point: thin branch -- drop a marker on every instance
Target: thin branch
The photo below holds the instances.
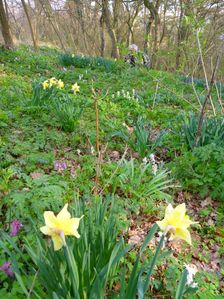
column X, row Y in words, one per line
column 200, row 123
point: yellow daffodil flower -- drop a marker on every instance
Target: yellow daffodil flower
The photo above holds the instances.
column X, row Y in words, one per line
column 53, row 81
column 57, row 227
column 60, row 84
column 176, row 223
column 75, row 88
column 45, row 84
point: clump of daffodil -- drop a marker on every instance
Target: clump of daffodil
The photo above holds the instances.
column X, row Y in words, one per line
column 57, row 227
column 53, row 81
column 60, row 84
column 176, row 223
column 75, row 88
column 45, row 84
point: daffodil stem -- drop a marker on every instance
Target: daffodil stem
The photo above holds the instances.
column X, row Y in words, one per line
column 181, row 285
column 153, row 262
column 97, row 139
column 73, row 270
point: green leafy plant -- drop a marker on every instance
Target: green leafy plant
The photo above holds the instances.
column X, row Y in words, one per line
column 137, row 183
column 87, row 267
column 68, row 113
column 43, row 97
column 141, row 139
column 82, row 61
column 202, row 170
column 212, row 131
column 5, row 175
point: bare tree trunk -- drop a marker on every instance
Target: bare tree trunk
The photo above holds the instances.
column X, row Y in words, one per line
column 47, row 9
column 111, row 32
column 37, row 19
column 147, row 34
column 154, row 17
column 183, row 29
column 5, row 27
column 132, row 18
column 102, row 36
column 80, row 10
column 30, row 24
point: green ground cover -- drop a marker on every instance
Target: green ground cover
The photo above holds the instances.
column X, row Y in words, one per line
column 49, row 157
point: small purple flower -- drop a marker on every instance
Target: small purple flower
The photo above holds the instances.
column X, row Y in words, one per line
column 16, row 226
column 6, row 268
column 60, row 165
column 72, row 171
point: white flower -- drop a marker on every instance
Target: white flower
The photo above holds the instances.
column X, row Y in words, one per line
column 118, row 94
column 159, row 238
column 191, row 271
column 92, row 150
column 78, row 151
column 221, row 37
column 152, row 158
column 194, row 285
column 145, row 160
column 154, row 165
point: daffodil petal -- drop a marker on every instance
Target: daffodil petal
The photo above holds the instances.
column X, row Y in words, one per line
column 46, row 231
column 180, row 210
column 50, row 219
column 57, row 241
column 169, row 210
column 64, row 214
column 183, row 234
column 162, row 224
column 70, row 227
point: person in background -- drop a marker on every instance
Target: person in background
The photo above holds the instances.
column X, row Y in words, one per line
column 136, row 57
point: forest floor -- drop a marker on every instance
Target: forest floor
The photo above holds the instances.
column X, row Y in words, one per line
column 48, row 155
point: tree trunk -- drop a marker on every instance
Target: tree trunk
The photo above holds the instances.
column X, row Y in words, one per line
column 111, row 32
column 154, row 17
column 5, row 27
column 183, row 30
column 102, row 36
column 30, row 24
column 49, row 14
column 147, row 34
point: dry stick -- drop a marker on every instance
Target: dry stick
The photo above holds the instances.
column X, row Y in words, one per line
column 155, row 95
column 193, row 85
column 160, row 82
column 195, row 91
column 219, row 96
column 198, row 134
column 192, row 77
column 32, row 285
column 204, row 70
